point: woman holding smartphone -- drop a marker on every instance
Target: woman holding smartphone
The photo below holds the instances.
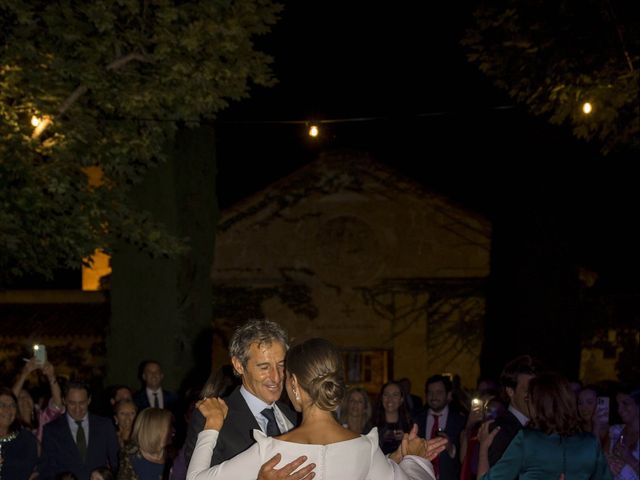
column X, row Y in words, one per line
column 485, row 407
column 30, row 414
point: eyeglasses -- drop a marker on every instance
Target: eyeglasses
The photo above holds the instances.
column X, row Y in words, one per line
column 11, row 405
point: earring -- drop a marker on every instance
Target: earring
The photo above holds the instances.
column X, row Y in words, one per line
column 295, row 391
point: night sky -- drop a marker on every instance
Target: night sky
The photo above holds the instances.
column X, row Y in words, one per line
column 435, row 119
column 556, row 204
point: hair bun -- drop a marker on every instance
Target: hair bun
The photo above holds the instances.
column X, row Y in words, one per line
column 317, row 365
column 328, row 390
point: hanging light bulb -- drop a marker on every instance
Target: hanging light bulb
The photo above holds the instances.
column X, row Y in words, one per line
column 587, row 108
column 313, row 131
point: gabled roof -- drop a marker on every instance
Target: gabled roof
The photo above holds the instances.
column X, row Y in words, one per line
column 342, row 173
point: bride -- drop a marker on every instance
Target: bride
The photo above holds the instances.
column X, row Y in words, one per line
column 315, row 386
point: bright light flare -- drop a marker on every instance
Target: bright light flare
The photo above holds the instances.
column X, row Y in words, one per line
column 587, row 108
column 313, row 131
column 40, row 125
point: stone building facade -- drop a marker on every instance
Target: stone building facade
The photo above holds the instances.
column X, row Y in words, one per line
column 349, row 250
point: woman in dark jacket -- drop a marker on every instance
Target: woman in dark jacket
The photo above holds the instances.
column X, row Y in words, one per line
column 18, row 446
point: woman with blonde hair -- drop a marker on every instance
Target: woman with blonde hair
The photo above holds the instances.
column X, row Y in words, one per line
column 145, row 456
column 355, row 411
column 315, row 386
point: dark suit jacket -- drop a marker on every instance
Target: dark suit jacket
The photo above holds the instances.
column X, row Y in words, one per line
column 449, row 467
column 170, row 399
column 60, row 453
column 236, row 433
column 413, row 404
column 509, row 428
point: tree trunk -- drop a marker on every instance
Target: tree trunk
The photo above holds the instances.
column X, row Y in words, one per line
column 161, row 309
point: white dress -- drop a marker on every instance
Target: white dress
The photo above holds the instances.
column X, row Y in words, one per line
column 359, row 458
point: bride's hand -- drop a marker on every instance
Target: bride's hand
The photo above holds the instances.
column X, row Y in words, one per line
column 420, row 447
column 403, row 448
column 214, row 411
column 413, row 446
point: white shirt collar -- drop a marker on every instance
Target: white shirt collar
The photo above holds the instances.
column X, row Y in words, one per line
column 256, row 406
column 74, row 426
column 150, row 396
column 522, row 418
column 254, row 403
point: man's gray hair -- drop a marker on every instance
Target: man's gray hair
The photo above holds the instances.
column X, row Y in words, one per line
column 255, row 331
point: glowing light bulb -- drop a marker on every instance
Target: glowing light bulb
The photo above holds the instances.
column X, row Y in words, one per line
column 313, row 131
column 586, row 108
column 35, row 121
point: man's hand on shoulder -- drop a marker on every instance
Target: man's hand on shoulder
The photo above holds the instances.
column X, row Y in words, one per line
column 269, row 472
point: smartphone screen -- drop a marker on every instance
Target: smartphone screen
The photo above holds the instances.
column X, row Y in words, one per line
column 602, row 408
column 40, row 354
column 476, row 405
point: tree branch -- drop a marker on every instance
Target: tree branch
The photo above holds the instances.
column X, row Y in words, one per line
column 82, row 89
column 121, row 62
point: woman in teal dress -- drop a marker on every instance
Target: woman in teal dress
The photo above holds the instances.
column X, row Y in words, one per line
column 552, row 446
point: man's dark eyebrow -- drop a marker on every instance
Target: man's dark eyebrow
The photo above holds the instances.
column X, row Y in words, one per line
column 264, row 364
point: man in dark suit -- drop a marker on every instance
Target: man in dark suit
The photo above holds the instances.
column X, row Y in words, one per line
column 257, row 350
column 153, row 395
column 439, row 419
column 78, row 441
column 515, row 381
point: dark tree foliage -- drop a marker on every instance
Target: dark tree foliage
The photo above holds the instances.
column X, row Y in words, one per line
column 555, row 56
column 112, row 80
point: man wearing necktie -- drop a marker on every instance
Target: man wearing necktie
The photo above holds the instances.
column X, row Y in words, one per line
column 78, row 441
column 257, row 351
column 439, row 419
column 153, row 395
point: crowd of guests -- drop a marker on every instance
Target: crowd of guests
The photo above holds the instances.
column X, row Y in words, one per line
column 529, row 424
